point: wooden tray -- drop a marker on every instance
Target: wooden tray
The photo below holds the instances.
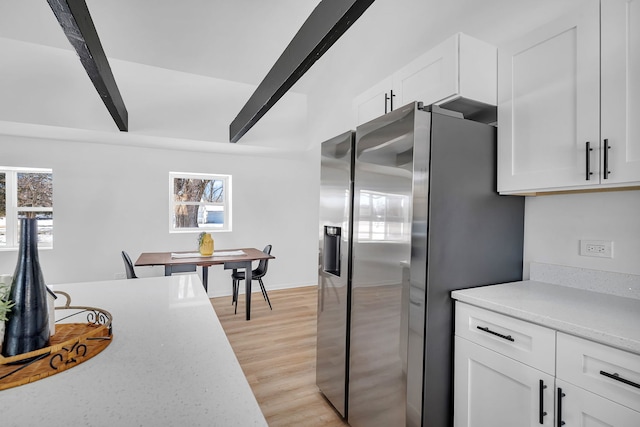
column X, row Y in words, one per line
column 72, row 344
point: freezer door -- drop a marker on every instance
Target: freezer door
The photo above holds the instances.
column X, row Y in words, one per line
column 333, row 268
column 381, row 265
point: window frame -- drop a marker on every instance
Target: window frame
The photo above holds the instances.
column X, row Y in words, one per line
column 12, row 209
column 226, row 203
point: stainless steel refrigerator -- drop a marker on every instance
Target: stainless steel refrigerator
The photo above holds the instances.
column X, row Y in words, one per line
column 336, row 201
column 416, row 216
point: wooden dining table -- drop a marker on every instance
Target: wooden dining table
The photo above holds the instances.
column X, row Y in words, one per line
column 230, row 259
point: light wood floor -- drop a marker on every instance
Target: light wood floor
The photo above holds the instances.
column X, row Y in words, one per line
column 277, row 352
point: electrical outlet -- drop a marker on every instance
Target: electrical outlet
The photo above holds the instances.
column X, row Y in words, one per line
column 596, row 248
column 119, row 275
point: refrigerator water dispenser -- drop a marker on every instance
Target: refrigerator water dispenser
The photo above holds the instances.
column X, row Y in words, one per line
column 331, row 255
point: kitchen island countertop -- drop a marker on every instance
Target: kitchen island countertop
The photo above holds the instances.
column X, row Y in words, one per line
column 170, row 363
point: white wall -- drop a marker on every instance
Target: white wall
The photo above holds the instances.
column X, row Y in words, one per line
column 109, row 198
column 555, row 224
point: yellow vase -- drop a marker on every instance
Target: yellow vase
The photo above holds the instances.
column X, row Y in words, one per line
column 206, row 245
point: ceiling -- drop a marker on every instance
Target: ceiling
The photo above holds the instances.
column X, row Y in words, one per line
column 232, row 40
column 235, row 40
column 240, row 40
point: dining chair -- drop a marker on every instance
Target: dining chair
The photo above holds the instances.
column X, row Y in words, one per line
column 128, row 266
column 256, row 274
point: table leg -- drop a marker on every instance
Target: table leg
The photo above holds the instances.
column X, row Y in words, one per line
column 247, row 288
column 205, row 277
column 167, row 270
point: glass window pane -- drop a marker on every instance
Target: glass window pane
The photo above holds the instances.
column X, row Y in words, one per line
column 198, row 190
column 200, row 201
column 3, row 197
column 213, row 216
column 3, row 209
column 188, row 190
column 213, row 191
column 198, row 216
column 35, row 190
column 45, row 226
column 186, row 216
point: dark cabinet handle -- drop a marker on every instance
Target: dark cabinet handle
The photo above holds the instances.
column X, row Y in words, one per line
column 560, row 423
column 606, row 159
column 588, row 161
column 542, row 413
column 617, row 377
column 388, row 101
column 486, row 329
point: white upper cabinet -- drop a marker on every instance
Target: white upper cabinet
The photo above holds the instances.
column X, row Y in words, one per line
column 374, row 102
column 553, row 126
column 459, row 67
column 548, row 104
column 621, row 90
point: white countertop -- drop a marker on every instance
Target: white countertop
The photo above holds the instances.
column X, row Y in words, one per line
column 608, row 319
column 169, row 364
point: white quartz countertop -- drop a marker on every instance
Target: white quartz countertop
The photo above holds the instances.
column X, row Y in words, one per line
column 605, row 318
column 170, row 364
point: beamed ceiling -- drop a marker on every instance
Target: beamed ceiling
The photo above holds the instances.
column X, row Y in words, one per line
column 241, row 40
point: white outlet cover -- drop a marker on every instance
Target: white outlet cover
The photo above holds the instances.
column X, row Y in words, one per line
column 607, row 252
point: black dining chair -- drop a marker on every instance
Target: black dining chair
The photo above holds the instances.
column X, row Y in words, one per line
column 128, row 266
column 256, row 274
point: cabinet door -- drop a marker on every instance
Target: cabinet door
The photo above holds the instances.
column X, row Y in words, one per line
column 580, row 408
column 548, row 105
column 621, row 89
column 431, row 77
column 373, row 103
column 493, row 390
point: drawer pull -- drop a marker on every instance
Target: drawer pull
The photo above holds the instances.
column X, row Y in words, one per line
column 617, row 377
column 486, row 329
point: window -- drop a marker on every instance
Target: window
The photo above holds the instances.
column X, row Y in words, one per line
column 199, row 202
column 25, row 192
column 383, row 216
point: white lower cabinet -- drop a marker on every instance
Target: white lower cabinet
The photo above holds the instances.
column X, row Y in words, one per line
column 596, row 385
column 580, row 408
column 509, row 372
column 493, row 390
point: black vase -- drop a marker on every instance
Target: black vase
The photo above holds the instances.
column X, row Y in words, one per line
column 28, row 326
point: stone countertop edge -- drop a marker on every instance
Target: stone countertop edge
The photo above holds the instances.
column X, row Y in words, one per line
column 607, row 319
